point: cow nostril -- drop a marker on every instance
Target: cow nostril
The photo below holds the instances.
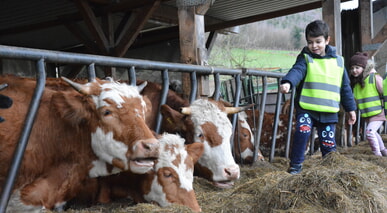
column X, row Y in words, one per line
column 227, row 171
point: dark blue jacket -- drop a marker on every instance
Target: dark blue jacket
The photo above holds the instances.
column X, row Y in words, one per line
column 296, row 77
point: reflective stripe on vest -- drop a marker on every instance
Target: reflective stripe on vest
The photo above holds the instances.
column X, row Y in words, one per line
column 322, row 85
column 367, row 98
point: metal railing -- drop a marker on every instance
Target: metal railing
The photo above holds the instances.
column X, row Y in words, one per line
column 133, row 65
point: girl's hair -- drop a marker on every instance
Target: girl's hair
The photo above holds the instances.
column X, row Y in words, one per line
column 317, row 28
column 359, row 79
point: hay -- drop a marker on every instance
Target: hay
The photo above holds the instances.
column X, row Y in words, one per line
column 350, row 180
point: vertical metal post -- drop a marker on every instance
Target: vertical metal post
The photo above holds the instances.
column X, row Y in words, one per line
column 217, row 86
column 194, row 87
column 290, row 124
column 258, row 131
column 237, row 96
column 91, row 72
column 163, row 99
column 23, row 140
column 275, row 125
column 132, row 76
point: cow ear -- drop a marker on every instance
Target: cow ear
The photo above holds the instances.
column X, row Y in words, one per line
column 195, row 150
column 74, row 109
column 172, row 119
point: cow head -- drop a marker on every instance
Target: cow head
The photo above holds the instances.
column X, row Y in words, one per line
column 244, row 141
column 206, row 121
column 173, row 179
column 119, row 135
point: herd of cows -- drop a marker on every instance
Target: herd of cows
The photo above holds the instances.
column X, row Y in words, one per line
column 93, row 142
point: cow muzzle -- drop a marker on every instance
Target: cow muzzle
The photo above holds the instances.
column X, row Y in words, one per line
column 145, row 153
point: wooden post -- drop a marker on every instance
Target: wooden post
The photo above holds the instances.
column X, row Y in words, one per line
column 366, row 25
column 331, row 15
column 192, row 44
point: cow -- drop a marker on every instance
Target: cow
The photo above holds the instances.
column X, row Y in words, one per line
column 244, row 139
column 267, row 131
column 170, row 181
column 85, row 131
column 206, row 120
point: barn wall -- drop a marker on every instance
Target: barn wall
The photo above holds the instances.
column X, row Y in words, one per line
column 166, row 52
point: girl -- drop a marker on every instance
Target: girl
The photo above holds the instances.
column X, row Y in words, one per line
column 368, row 89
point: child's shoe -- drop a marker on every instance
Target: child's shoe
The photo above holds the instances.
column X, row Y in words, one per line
column 384, row 152
column 295, row 169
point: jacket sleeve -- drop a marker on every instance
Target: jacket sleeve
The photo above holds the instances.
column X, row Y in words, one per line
column 297, row 73
column 347, row 98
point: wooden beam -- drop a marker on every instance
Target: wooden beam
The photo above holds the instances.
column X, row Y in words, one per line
column 332, row 16
column 365, row 15
column 93, row 25
column 187, row 35
column 82, row 37
column 381, row 36
column 141, row 18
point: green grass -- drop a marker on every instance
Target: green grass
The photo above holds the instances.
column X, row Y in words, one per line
column 254, row 59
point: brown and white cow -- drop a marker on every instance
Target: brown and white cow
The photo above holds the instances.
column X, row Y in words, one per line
column 206, row 120
column 267, row 131
column 95, row 130
column 244, row 139
column 171, row 180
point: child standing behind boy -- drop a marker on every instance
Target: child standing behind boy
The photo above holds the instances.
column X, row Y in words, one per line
column 368, row 88
column 321, row 84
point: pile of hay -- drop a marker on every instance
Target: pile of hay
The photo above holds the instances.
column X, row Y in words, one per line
column 350, row 180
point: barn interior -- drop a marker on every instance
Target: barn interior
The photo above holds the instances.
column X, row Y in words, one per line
column 173, row 31
column 181, row 31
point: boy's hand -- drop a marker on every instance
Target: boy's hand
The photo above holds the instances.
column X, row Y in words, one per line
column 285, row 87
column 352, row 117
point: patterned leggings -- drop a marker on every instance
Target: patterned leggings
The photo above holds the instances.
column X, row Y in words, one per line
column 304, row 125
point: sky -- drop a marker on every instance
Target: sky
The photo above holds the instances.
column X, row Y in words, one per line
column 350, row 5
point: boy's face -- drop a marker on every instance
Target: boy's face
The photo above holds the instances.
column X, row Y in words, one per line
column 317, row 45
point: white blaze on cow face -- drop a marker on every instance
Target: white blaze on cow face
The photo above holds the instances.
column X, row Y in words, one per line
column 173, row 157
column 103, row 143
column 243, row 118
column 217, row 156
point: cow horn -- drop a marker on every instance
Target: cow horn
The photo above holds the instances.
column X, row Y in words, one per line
column 185, row 110
column 142, row 86
column 79, row 87
column 233, row 110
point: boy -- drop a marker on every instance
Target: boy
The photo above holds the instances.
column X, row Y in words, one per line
column 321, row 83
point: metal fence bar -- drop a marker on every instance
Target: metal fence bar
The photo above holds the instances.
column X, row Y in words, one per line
column 23, row 140
column 217, row 86
column 290, row 123
column 163, row 99
column 258, row 130
column 132, row 76
column 237, row 96
column 275, row 124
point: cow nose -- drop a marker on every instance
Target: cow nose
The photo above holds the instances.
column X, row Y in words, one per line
column 150, row 145
column 232, row 172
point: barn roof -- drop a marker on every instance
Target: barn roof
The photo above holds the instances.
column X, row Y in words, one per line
column 61, row 24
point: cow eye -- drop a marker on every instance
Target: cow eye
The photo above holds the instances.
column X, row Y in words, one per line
column 167, row 174
column 107, row 112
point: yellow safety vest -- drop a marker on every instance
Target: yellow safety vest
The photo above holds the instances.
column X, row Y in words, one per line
column 322, row 85
column 368, row 100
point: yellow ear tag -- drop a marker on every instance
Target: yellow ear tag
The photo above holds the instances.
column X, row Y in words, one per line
column 169, row 120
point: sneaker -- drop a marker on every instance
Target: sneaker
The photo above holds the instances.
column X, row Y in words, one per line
column 384, row 152
column 295, row 169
